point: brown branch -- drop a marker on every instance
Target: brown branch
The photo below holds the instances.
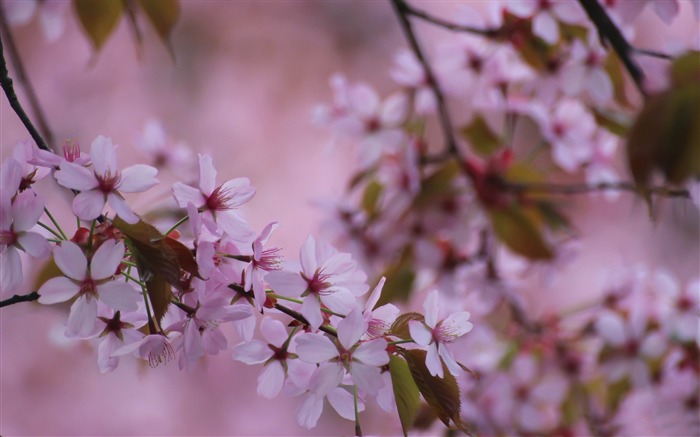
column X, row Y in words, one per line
column 23, row 79
column 20, row 298
column 608, row 31
column 299, row 317
column 567, row 189
column 488, row 33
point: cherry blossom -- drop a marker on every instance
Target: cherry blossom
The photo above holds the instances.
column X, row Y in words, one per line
column 90, row 282
column 327, row 277
column 217, row 203
column 115, row 331
column 16, row 222
column 263, row 261
column 546, row 15
column 105, row 182
column 436, row 335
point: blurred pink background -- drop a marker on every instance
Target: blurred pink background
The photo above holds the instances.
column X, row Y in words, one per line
column 246, row 78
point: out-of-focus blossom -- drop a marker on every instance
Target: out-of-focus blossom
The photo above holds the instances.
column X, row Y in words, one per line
column 546, row 15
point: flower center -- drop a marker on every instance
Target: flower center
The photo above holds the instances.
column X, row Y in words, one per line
column 71, row 151
column 318, row 283
column 270, row 260
column 165, row 354
column 108, row 182
column 88, row 287
column 8, row 238
column 219, row 200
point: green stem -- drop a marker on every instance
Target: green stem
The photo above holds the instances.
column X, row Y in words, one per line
column 410, row 340
column 128, row 276
column 45, row 226
column 55, row 223
column 177, row 225
column 299, row 301
column 92, row 231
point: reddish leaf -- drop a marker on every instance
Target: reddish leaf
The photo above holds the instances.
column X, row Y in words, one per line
column 442, row 395
column 400, row 326
column 163, row 15
column 520, row 232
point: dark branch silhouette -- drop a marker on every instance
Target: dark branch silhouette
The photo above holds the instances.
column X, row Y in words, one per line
column 17, row 298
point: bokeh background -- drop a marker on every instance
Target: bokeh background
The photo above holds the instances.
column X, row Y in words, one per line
column 242, row 87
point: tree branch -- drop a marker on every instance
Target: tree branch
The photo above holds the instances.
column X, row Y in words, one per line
column 488, row 33
column 9, row 90
column 20, row 298
column 608, row 31
column 583, row 188
column 299, row 317
column 23, row 79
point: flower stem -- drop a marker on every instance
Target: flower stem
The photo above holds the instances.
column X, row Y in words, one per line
column 410, row 340
column 55, row 223
column 176, row 225
column 92, row 231
column 45, row 226
column 299, row 301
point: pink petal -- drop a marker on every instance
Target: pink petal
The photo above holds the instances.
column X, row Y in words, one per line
column 315, row 348
column 309, row 410
column 119, row 295
column 376, row 294
column 119, row 205
column 448, row 359
column 307, row 256
column 667, row 10
column 271, row 380
column 419, row 333
column 273, row 331
column 311, row 310
column 207, row 174
column 343, row 402
column 240, row 190
column 341, row 301
column 75, row 177
column 104, row 156
column 364, row 100
column 27, row 208
column 611, row 327
column 367, row 378
column 327, row 377
column 546, row 27
column 192, row 346
column 82, row 317
column 431, row 309
column 34, row 244
column 106, row 259
column 11, row 268
column 70, row 259
column 432, row 361
column 10, row 178
column 286, row 283
column 105, row 361
column 185, row 194
column 351, row 328
column 88, row 205
column 138, row 178
column 372, row 352
column 234, row 226
column 252, row 352
column 457, row 324
column 56, row 290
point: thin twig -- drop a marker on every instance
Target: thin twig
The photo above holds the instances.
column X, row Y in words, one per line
column 566, row 189
column 9, row 90
column 488, row 33
column 17, row 298
column 299, row 317
column 23, row 79
column 608, row 31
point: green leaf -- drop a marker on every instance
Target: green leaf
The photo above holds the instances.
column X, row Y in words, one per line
column 665, row 136
column 99, row 18
column 163, row 15
column 370, row 197
column 400, row 326
column 616, row 72
column 520, row 232
column 405, row 392
column 442, row 395
column 399, row 279
column 482, row 139
column 437, row 185
column 617, row 392
column 611, row 122
column 160, row 294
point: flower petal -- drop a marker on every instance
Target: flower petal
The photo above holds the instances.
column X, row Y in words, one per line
column 185, row 194
column 286, row 283
column 367, row 378
column 207, row 174
column 119, row 295
column 240, row 191
column 57, row 290
column 34, row 244
column 75, row 177
column 271, row 380
column 327, row 377
column 431, row 309
column 27, row 208
column 273, row 331
column 88, row 205
column 372, row 352
column 119, row 205
column 11, row 269
column 138, row 178
column 71, row 260
column 351, row 328
column 252, row 352
column 432, row 361
column 315, row 348
column 419, row 333
column 309, row 410
column 106, row 259
column 104, row 155
column 82, row 317
column 311, row 310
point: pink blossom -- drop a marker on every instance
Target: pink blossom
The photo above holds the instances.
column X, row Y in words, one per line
column 16, row 220
column 379, row 320
column 116, row 330
column 342, row 401
column 264, row 260
column 436, row 335
column 105, row 182
column 274, row 353
column 327, row 277
column 546, row 15
column 89, row 283
column 156, row 348
column 585, row 71
column 163, row 152
column 362, row 360
column 409, row 72
column 217, row 203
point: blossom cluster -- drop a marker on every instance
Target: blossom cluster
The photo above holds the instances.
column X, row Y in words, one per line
column 163, row 296
column 533, row 94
